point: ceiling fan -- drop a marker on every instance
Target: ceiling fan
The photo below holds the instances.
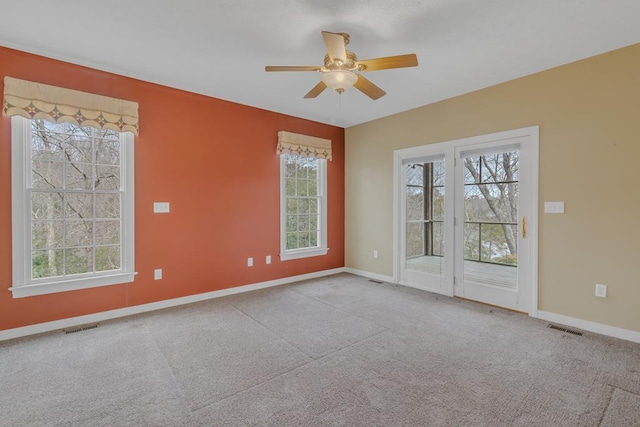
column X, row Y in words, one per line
column 342, row 68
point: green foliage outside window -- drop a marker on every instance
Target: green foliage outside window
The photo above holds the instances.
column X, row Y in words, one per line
column 302, row 202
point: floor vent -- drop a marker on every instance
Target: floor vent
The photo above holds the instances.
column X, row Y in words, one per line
column 80, row 328
column 376, row 281
column 567, row 330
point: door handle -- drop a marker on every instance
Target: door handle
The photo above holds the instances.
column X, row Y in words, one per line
column 524, row 227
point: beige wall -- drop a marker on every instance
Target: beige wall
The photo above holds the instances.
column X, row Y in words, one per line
column 589, row 118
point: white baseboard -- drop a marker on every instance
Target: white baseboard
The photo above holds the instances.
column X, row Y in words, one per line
column 587, row 325
column 369, row 275
column 137, row 309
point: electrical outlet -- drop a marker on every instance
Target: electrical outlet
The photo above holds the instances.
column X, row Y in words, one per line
column 268, row 259
column 249, row 262
column 157, row 274
column 601, row 290
column 375, row 254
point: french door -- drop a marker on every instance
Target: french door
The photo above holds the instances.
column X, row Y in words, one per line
column 425, row 262
column 466, row 218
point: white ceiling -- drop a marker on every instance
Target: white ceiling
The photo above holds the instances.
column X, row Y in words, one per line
column 220, row 47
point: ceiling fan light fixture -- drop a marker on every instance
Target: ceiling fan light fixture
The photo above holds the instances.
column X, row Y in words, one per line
column 342, row 68
column 339, row 80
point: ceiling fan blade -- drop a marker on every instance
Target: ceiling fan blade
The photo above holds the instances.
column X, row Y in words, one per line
column 291, row 68
column 335, row 45
column 317, row 90
column 368, row 88
column 387, row 62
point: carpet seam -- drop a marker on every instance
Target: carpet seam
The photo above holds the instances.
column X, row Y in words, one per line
column 606, row 408
column 384, row 328
column 269, row 329
column 340, row 309
column 312, row 361
column 176, row 381
column 615, row 387
column 192, row 410
column 351, row 344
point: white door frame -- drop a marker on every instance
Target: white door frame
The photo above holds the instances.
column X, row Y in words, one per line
column 449, row 148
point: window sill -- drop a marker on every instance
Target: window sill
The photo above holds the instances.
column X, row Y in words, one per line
column 303, row 253
column 71, row 285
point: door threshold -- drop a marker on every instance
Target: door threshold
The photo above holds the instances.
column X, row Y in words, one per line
column 491, row 305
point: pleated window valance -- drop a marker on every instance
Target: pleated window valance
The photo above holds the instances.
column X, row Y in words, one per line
column 55, row 104
column 303, row 145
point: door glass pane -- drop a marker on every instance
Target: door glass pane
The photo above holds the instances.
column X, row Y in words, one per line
column 415, row 203
column 491, row 219
column 415, row 240
column 425, row 217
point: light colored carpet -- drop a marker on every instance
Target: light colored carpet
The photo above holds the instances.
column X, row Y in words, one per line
column 338, row 351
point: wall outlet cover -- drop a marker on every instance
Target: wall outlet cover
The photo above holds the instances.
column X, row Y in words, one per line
column 601, row 290
column 157, row 274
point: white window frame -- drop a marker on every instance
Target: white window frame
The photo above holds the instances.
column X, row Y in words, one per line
column 23, row 284
column 322, row 248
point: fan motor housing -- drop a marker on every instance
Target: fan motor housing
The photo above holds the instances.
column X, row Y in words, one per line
column 350, row 65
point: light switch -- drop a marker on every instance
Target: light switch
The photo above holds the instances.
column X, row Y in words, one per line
column 161, row 207
column 157, row 274
column 554, row 207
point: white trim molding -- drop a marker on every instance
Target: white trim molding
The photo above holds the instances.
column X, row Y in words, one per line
column 23, row 282
column 321, row 194
column 587, row 325
column 159, row 305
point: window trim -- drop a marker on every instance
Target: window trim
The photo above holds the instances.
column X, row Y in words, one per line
column 22, row 284
column 322, row 248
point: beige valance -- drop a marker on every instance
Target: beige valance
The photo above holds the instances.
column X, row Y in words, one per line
column 304, row 145
column 56, row 104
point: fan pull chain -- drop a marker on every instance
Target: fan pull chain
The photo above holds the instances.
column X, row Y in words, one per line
column 336, row 111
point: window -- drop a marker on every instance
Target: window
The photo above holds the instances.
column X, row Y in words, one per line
column 303, row 206
column 72, row 207
column 425, row 209
column 491, row 208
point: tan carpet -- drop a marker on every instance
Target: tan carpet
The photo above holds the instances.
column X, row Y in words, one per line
column 339, row 351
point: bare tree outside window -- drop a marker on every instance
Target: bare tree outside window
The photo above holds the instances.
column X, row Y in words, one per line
column 75, row 199
column 491, row 208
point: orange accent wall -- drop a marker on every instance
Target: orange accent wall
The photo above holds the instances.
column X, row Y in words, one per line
column 214, row 161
